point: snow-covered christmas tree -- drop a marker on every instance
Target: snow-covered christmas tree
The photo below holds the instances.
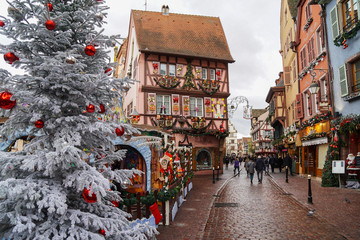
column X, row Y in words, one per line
column 61, row 185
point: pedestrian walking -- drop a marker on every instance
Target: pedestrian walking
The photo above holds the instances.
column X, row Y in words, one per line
column 246, row 166
column 251, row 169
column 266, row 161
column 280, row 163
column 259, row 165
column 288, row 163
column 226, row 160
column 272, row 163
column 237, row 166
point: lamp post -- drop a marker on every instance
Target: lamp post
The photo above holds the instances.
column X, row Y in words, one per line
column 309, row 192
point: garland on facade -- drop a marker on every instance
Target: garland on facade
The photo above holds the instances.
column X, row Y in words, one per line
column 279, row 141
column 214, row 90
column 316, row 119
column 313, row 136
column 215, row 133
column 345, row 125
column 312, row 65
column 347, row 35
column 164, row 123
column 189, row 76
column 307, row 25
column 167, row 82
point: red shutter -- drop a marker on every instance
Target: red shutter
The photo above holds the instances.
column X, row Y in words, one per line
column 175, row 104
column 208, row 107
column 299, row 106
column 322, row 34
column 186, row 106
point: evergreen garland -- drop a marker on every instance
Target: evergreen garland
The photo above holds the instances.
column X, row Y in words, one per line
column 316, row 119
column 189, row 76
column 170, row 85
column 347, row 35
column 207, row 91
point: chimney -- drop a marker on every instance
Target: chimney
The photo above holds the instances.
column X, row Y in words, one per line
column 165, row 10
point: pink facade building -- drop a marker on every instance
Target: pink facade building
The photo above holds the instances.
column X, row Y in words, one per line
column 180, row 63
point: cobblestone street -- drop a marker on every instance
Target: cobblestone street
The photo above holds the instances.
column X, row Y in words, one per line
column 234, row 209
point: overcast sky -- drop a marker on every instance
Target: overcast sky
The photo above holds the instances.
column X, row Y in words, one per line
column 252, row 29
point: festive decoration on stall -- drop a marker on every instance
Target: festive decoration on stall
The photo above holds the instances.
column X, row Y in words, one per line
column 135, row 116
column 50, row 24
column 189, row 78
column 10, row 57
column 89, row 198
column 222, row 126
column 39, row 123
column 167, row 82
column 90, row 108
column 2, row 24
column 344, row 44
column 90, row 50
column 350, row 163
column 316, row 119
column 5, row 102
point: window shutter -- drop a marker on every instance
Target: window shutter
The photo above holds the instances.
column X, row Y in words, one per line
column 309, row 99
column 334, row 22
column 299, row 106
column 156, row 67
column 358, row 8
column 175, row 104
column 343, row 81
column 152, row 103
column 198, row 74
column 208, row 107
column 186, row 106
column 287, row 75
column 322, row 35
column 179, row 70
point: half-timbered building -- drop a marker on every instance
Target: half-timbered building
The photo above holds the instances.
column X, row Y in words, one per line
column 180, row 63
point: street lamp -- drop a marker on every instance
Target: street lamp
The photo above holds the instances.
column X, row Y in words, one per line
column 314, row 86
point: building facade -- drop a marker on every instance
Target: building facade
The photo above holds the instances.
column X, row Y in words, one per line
column 182, row 82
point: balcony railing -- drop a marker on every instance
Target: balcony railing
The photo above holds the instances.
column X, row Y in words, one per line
column 350, row 24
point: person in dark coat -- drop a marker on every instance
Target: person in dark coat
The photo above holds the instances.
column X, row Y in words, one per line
column 288, row 163
column 272, row 163
column 259, row 166
column 280, row 163
column 251, row 169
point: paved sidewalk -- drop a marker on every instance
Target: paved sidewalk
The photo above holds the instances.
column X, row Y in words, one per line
column 193, row 214
column 330, row 203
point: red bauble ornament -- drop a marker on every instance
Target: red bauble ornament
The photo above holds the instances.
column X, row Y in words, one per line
column 116, row 203
column 102, row 232
column 5, row 102
column 50, row 6
column 2, row 24
column 10, row 57
column 108, row 70
column 90, row 108
column 87, row 197
column 119, row 131
column 102, row 108
column 90, row 50
column 50, row 24
column 39, row 123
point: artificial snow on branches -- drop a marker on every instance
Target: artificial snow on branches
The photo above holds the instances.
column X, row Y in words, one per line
column 69, row 152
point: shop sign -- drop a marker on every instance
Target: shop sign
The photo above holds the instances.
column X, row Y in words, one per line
column 316, row 141
column 338, row 167
column 284, row 150
column 324, row 107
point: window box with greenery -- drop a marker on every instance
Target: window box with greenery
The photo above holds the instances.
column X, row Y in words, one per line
column 348, row 12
